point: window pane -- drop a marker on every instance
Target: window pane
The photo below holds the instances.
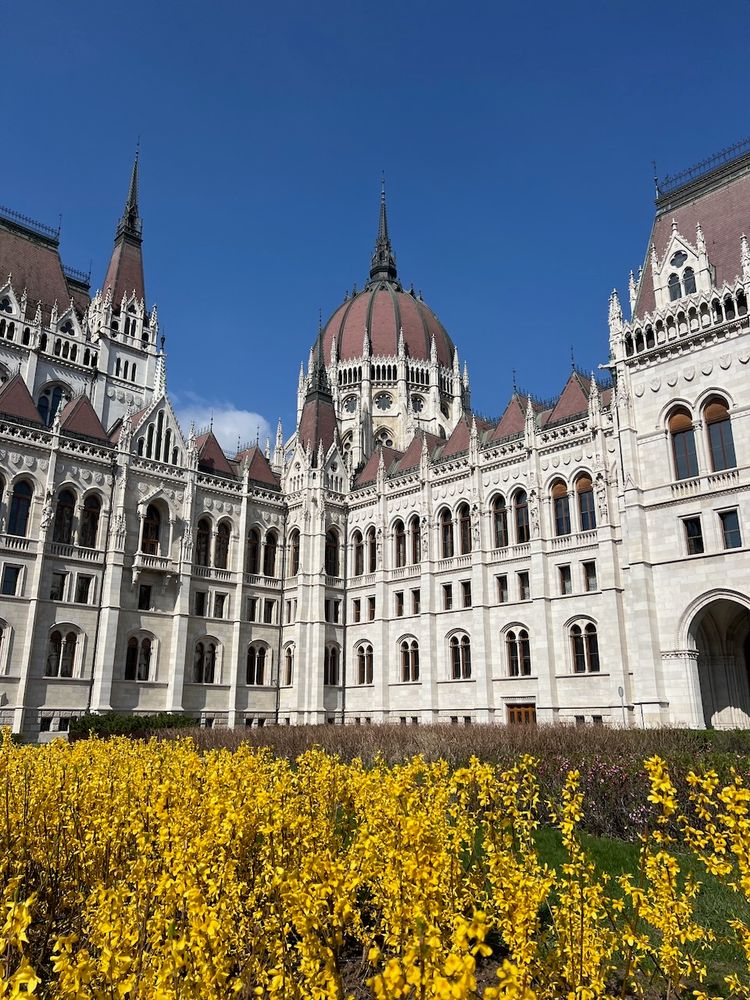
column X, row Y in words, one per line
column 586, row 507
column 730, row 526
column 693, row 535
column 685, row 458
column 722, row 445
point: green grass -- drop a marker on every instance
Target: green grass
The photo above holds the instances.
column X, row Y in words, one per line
column 715, row 905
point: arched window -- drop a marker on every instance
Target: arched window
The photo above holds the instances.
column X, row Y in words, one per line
column 399, row 543
column 446, row 533
column 409, row 660
column 88, row 529
column 20, row 505
column 683, row 444
column 61, row 654
column 63, row 527
column 332, row 553
column 358, row 547
column 675, row 289
column 364, row 663
column 49, row 403
column 151, row 530
column 518, row 653
column 460, row 657
column 372, row 551
column 464, row 528
column 138, row 658
column 204, row 662
column 561, row 508
column 720, row 438
column 253, row 551
column 521, row 516
column 269, row 556
column 415, row 540
column 688, row 280
column 500, row 522
column 221, row 548
column 331, row 666
column 289, row 665
column 203, row 542
column 256, row 665
column 586, row 508
column 294, row 553
column 585, row 647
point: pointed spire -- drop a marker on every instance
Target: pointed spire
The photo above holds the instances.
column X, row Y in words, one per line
column 383, row 265
column 615, row 313
column 126, row 262
column 632, row 292
column 130, row 223
column 745, row 258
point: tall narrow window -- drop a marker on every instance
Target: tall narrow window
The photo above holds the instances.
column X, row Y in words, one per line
column 688, row 280
column 63, row 527
column 409, row 660
column 269, row 556
column 294, row 553
column 460, row 657
column 221, row 550
column 358, row 553
column 151, row 528
column 204, row 662
column 203, row 542
column 399, row 543
column 253, row 551
column 331, row 666
column 20, row 505
column 521, row 516
column 683, row 444
column 586, row 508
column 720, row 438
column 415, row 540
column 464, row 528
column 89, row 526
column 372, row 551
column 511, row 647
column 561, row 508
column 675, row 289
column 54, row 652
column 289, row 665
column 730, row 529
column 256, row 665
column 500, row 522
column 585, row 648
column 364, row 664
column 332, row 553
column 446, row 533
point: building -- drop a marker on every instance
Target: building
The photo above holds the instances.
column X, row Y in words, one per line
column 397, row 558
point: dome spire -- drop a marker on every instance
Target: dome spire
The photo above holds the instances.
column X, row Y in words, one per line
column 383, row 265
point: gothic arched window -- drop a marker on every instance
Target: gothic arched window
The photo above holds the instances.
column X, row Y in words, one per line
column 446, row 533
column 521, row 516
column 518, row 652
column 720, row 438
column 331, row 666
column 63, row 527
column 204, row 662
column 675, row 288
column 289, row 665
column 269, row 556
column 221, row 549
column 688, row 280
column 464, row 528
column 500, row 522
column 253, row 551
column 358, row 546
column 586, row 508
column 460, row 657
column 332, row 553
column 372, row 550
column 203, row 542
column 683, row 444
column 138, row 658
column 151, row 530
column 256, row 665
column 364, row 663
column 294, row 553
column 88, row 528
column 416, row 539
column 20, row 506
column 561, row 508
column 585, row 648
column 409, row 660
column 399, row 543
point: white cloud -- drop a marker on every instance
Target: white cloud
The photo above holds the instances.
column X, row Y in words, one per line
column 230, row 424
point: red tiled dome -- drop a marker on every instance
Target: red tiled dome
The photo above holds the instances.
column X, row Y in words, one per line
column 383, row 309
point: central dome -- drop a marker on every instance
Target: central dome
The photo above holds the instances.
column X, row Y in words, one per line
column 382, row 312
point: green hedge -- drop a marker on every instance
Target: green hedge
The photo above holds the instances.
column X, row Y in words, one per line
column 120, row 724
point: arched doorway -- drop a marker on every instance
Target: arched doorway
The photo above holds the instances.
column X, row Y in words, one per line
column 720, row 632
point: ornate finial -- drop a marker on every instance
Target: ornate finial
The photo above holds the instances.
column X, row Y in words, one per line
column 654, row 260
column 211, row 424
column 515, row 384
column 745, row 257
column 656, row 179
column 674, row 225
column 632, row 292
column 130, row 223
column 700, row 241
column 615, row 312
column 383, row 265
column 572, row 359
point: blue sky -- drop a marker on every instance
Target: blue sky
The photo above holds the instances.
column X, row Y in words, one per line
column 516, row 140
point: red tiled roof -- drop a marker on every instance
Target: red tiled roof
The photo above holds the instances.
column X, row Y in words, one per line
column 573, row 399
column 16, row 401
column 413, row 454
column 384, row 310
column 115, row 430
column 34, row 264
column 80, row 417
column 260, row 467
column 317, row 424
column 125, row 272
column 370, row 471
column 210, row 456
column 723, row 211
column 513, row 420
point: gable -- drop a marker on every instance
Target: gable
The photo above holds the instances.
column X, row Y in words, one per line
column 79, row 417
column 211, row 458
column 157, row 434
column 573, row 400
column 16, row 401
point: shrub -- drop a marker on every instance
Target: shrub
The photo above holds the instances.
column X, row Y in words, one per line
column 121, row 724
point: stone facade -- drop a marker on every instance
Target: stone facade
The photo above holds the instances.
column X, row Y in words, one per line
column 397, row 559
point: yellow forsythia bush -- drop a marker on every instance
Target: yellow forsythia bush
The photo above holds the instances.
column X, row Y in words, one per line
column 134, row 870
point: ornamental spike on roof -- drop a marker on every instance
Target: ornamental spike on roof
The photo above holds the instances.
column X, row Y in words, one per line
column 383, row 265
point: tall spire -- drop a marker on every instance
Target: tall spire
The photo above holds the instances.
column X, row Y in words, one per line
column 125, row 271
column 130, row 223
column 383, row 265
